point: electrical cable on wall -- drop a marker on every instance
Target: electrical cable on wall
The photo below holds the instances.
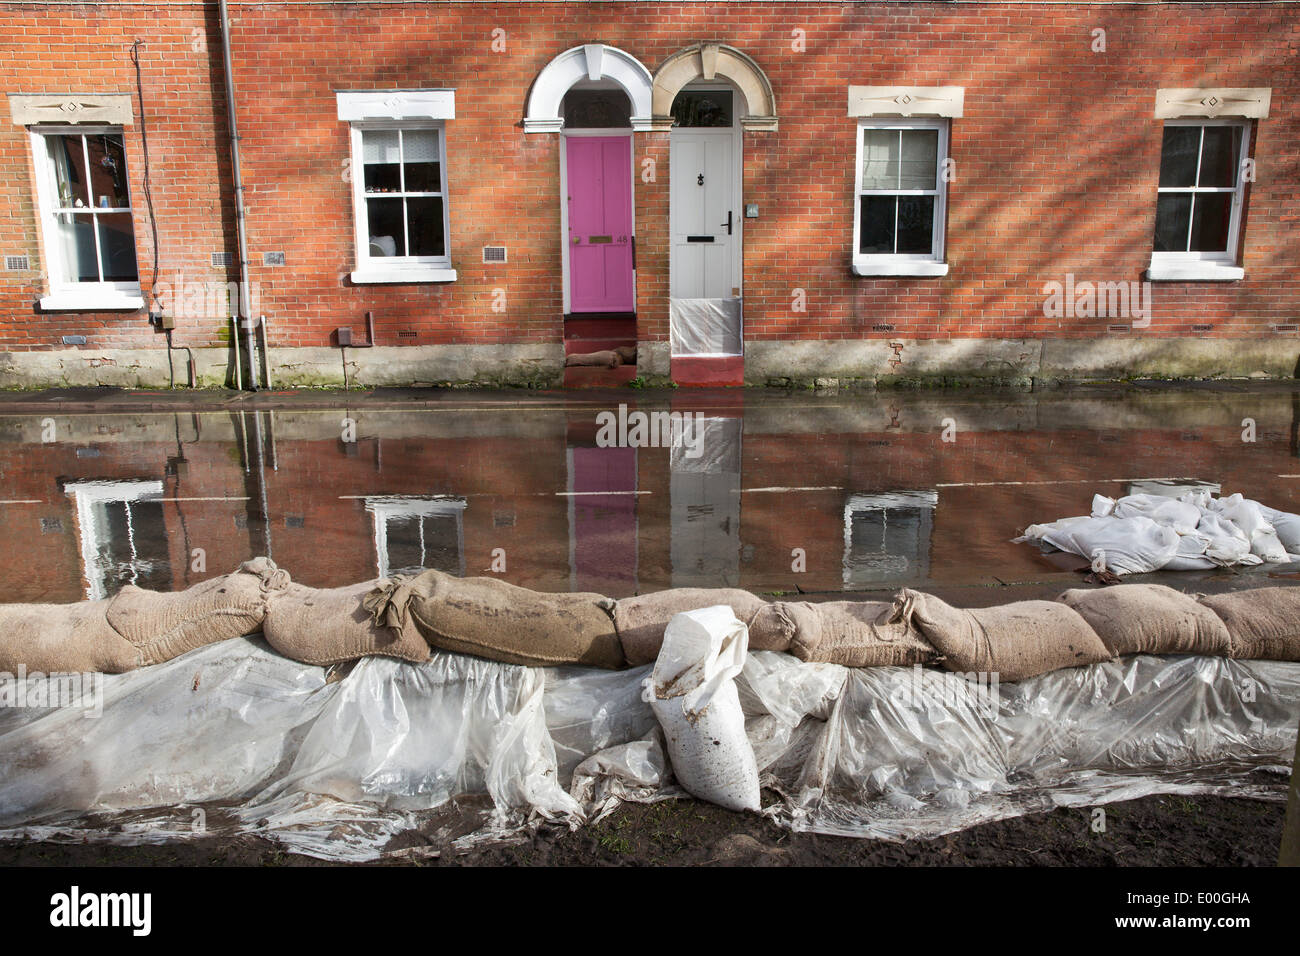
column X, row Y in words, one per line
column 144, row 145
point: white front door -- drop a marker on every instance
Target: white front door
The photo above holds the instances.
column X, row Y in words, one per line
column 704, row 214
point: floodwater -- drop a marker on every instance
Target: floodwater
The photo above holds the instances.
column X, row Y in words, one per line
column 765, row 491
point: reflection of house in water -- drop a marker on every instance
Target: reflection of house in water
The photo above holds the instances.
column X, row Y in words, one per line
column 413, row 534
column 123, row 535
column 887, row 537
column 705, row 491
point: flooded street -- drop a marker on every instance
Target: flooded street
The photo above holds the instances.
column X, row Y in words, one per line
column 772, row 491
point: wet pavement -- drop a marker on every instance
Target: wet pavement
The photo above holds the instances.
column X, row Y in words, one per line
column 771, row 491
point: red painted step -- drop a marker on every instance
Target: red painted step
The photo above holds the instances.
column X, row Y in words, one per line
column 581, row 346
column 709, row 372
column 576, row 376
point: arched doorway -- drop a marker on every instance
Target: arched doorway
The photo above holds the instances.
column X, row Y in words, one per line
column 709, row 95
column 594, row 96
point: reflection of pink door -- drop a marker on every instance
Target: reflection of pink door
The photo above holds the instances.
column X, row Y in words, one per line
column 603, row 520
column 599, row 176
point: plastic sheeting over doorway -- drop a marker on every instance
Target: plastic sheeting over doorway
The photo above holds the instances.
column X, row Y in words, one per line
column 704, row 327
column 465, row 750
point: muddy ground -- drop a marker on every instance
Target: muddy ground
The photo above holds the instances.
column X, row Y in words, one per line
column 1153, row 831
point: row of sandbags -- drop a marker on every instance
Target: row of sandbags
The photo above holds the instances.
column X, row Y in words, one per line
column 404, row 617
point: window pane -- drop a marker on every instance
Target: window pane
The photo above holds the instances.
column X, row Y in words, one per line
column 381, row 156
column 1178, row 156
column 70, row 177
column 1172, row 213
column 702, row 108
column 420, row 154
column 1211, row 215
column 1219, row 156
column 916, row 224
column 876, row 230
column 387, row 237
column 76, row 239
column 920, row 162
column 880, row 159
column 425, row 218
column 108, row 172
column 597, row 109
column 117, row 246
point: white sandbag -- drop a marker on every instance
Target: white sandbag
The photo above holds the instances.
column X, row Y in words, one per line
column 692, row 692
column 1250, row 518
column 1170, row 512
column 1125, row 545
column 1287, row 526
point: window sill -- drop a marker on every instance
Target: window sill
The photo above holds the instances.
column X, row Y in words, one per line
column 375, row 276
column 97, row 301
column 914, row 268
column 1194, row 272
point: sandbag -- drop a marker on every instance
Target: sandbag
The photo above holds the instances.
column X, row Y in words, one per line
column 63, row 638
column 490, row 618
column 626, row 354
column 332, row 625
column 1263, row 623
column 606, row 358
column 856, row 634
column 1149, row 619
column 1133, row 545
column 692, row 692
column 642, row 620
column 164, row 625
column 1015, row 641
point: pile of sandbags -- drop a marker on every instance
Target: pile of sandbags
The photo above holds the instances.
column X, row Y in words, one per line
column 1141, row 533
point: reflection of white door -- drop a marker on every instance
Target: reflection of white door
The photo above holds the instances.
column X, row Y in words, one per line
column 705, row 214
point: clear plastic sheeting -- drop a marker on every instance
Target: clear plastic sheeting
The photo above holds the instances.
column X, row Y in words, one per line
column 704, row 326
column 417, row 758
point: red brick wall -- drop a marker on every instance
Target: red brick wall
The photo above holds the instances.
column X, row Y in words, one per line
column 1057, row 158
column 86, row 48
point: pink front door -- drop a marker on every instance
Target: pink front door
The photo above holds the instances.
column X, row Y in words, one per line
column 599, row 177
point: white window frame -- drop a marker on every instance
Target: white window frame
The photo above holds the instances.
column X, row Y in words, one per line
column 66, row 294
column 1205, row 266
column 903, row 264
column 378, row 269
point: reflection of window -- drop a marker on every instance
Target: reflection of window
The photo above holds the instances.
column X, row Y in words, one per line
column 400, row 194
column 898, row 224
column 1172, row 488
column 123, row 535
column 887, row 537
column 417, row 534
column 86, row 218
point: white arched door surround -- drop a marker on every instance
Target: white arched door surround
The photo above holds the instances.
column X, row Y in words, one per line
column 593, row 62
column 711, row 62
